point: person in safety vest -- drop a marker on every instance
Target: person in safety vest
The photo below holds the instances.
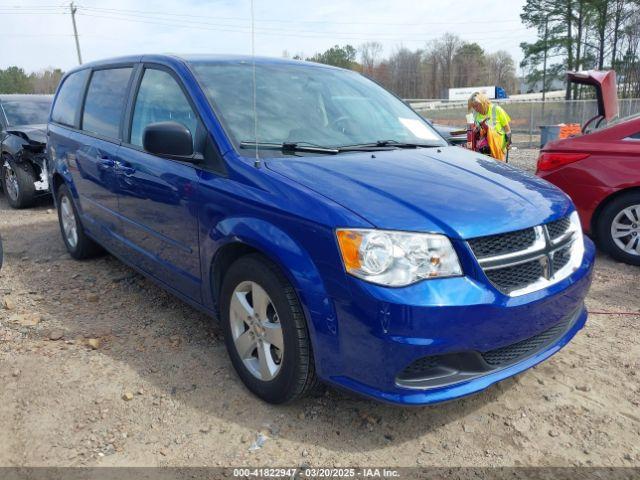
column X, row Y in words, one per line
column 492, row 130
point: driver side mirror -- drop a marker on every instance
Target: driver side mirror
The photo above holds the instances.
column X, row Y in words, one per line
column 170, row 139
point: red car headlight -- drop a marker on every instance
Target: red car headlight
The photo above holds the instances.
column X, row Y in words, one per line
column 552, row 160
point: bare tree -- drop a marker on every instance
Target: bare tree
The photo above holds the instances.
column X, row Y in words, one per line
column 500, row 70
column 369, row 57
column 469, row 65
column 444, row 63
column 432, row 73
column 446, row 49
column 406, row 72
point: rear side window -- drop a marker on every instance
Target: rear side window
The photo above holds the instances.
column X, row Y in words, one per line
column 105, row 100
column 160, row 99
column 69, row 98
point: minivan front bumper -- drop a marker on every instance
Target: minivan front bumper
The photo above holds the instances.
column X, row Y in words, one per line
column 443, row 339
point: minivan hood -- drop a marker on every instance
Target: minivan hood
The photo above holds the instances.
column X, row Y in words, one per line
column 447, row 190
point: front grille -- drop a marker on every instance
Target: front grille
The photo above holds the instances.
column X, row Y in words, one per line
column 515, row 261
column 561, row 257
column 504, row 356
column 437, row 371
column 557, row 228
column 494, row 245
column 421, row 365
column 516, row 277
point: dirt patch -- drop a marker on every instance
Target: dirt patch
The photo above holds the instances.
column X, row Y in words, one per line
column 100, row 367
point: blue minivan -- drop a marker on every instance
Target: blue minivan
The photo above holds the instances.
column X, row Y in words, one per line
column 331, row 230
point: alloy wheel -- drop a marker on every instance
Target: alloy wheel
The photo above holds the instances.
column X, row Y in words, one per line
column 12, row 187
column 256, row 330
column 625, row 230
column 69, row 224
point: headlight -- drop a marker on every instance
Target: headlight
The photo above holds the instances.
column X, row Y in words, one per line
column 397, row 258
column 577, row 250
column 576, row 226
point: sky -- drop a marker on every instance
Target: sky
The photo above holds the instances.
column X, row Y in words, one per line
column 38, row 33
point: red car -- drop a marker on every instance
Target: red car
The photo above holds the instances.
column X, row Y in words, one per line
column 600, row 171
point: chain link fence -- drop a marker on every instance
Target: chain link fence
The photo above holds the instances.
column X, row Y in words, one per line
column 528, row 117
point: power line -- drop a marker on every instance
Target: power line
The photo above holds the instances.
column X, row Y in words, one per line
column 243, row 26
column 30, row 7
column 244, row 19
column 278, row 32
column 33, row 13
column 154, row 20
column 37, row 34
column 188, row 21
column 36, row 5
column 296, row 21
column 17, row 9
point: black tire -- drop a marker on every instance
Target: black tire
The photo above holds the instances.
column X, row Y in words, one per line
column 25, row 177
column 85, row 247
column 296, row 377
column 604, row 222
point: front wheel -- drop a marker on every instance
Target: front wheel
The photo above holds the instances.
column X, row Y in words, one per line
column 78, row 244
column 265, row 331
column 618, row 228
column 18, row 183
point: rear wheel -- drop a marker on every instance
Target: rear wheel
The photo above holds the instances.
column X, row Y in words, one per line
column 18, row 183
column 265, row 331
column 618, row 228
column 78, row 244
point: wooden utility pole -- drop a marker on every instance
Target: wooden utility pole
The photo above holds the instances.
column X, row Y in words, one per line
column 75, row 30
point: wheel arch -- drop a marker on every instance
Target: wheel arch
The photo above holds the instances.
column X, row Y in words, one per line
column 225, row 256
column 56, row 180
column 235, row 237
column 61, row 176
column 12, row 145
column 606, row 201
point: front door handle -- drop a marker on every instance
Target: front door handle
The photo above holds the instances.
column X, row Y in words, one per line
column 105, row 163
column 125, row 169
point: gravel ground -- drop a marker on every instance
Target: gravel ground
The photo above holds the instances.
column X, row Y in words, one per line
column 524, row 158
column 100, row 367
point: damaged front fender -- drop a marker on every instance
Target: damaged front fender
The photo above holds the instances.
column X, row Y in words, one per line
column 25, row 146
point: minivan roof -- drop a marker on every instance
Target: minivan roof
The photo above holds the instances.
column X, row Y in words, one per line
column 198, row 58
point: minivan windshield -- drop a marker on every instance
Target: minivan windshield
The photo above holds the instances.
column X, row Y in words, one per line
column 310, row 105
column 27, row 112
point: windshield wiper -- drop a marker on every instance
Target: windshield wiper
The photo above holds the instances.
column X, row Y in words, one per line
column 386, row 144
column 291, row 147
column 306, row 147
